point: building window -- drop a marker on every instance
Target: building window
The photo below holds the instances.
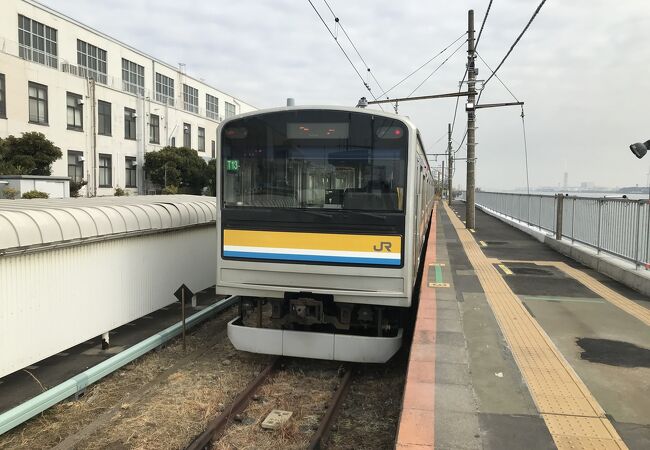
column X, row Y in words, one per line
column 211, row 107
column 230, row 110
column 187, row 135
column 104, row 122
column 154, row 129
column 105, row 171
column 75, row 165
column 173, row 143
column 164, row 89
column 37, row 42
column 190, row 99
column 132, row 77
column 214, row 149
column 37, row 103
column 201, row 139
column 75, row 112
column 130, row 175
column 91, row 61
column 129, row 123
column 3, row 97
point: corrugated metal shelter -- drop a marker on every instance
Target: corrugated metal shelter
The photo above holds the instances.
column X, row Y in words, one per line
column 73, row 269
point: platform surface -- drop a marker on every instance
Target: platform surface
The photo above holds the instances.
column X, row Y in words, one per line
column 517, row 346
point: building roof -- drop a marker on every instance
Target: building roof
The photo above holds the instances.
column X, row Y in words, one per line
column 40, row 224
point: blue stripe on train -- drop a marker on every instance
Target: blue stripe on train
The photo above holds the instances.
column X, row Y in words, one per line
column 313, row 258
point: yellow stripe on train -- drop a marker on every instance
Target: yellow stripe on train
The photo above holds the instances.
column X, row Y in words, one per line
column 313, row 241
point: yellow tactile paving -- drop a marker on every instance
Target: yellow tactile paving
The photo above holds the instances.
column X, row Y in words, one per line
column 573, row 416
column 627, row 305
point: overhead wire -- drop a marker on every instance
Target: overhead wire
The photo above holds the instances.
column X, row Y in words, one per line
column 436, row 69
column 539, row 7
column 338, row 21
column 344, row 52
column 423, row 65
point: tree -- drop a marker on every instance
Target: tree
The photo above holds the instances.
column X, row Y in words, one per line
column 30, row 154
column 181, row 167
column 212, row 177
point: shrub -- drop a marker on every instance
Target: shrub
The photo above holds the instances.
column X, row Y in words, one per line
column 9, row 193
column 30, row 154
column 75, row 187
column 170, row 190
column 119, row 192
column 36, row 194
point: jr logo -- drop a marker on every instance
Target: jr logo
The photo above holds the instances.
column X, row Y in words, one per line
column 382, row 246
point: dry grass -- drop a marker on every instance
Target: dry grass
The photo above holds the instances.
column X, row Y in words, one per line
column 69, row 418
column 370, row 412
column 303, row 387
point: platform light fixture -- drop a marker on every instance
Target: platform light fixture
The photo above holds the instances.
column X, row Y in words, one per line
column 640, row 149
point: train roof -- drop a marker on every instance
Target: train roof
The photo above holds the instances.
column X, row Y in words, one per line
column 32, row 224
column 375, row 112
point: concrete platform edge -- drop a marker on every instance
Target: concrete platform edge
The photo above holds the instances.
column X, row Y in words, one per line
column 605, row 264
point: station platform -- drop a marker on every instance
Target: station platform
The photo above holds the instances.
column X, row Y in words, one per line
column 515, row 346
column 27, row 383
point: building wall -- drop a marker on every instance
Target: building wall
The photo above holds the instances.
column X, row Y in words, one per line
column 55, row 299
column 59, row 81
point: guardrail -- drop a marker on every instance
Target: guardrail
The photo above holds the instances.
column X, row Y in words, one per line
column 617, row 226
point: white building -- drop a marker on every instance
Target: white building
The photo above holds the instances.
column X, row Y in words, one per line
column 104, row 103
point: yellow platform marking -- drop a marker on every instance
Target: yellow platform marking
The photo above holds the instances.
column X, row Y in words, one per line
column 505, row 269
column 472, row 230
column 616, row 299
column 483, row 244
column 573, row 416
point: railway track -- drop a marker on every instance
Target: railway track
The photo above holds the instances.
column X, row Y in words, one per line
column 216, row 427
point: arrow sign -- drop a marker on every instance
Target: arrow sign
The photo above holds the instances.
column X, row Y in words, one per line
column 179, row 293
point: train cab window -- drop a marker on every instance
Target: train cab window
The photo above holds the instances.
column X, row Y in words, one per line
column 320, row 159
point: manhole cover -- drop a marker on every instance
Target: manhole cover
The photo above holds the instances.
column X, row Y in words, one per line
column 531, row 271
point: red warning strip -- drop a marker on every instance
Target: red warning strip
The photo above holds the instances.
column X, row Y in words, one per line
column 416, row 425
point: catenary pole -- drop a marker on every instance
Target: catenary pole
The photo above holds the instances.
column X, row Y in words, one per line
column 471, row 124
column 450, row 161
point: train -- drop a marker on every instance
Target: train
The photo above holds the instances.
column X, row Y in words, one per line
column 322, row 215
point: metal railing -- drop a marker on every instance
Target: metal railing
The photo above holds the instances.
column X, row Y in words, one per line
column 617, row 226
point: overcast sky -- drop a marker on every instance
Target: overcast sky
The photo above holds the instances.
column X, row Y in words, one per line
column 581, row 69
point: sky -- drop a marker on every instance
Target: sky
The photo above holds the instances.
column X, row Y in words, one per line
column 581, row 69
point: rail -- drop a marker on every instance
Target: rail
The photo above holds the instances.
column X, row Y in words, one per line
column 616, row 226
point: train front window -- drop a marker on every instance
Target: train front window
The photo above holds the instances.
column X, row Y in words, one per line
column 315, row 159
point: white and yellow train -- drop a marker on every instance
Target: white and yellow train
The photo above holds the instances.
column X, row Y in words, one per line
column 322, row 214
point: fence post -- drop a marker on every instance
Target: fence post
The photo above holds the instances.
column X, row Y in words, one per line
column 573, row 219
column 637, row 231
column 558, row 216
column 539, row 217
column 600, row 210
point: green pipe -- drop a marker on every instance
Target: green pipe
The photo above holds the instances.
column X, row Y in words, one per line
column 78, row 383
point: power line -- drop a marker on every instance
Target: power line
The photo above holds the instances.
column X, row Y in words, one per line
column 343, row 50
column 423, row 65
column 437, row 68
column 515, row 43
column 480, row 31
column 338, row 21
column 497, row 77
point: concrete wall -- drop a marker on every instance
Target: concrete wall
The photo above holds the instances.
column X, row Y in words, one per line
column 52, row 300
column 55, row 187
column 19, row 72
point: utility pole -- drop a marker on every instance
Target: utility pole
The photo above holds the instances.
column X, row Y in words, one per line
column 471, row 124
column 442, row 177
column 449, row 164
